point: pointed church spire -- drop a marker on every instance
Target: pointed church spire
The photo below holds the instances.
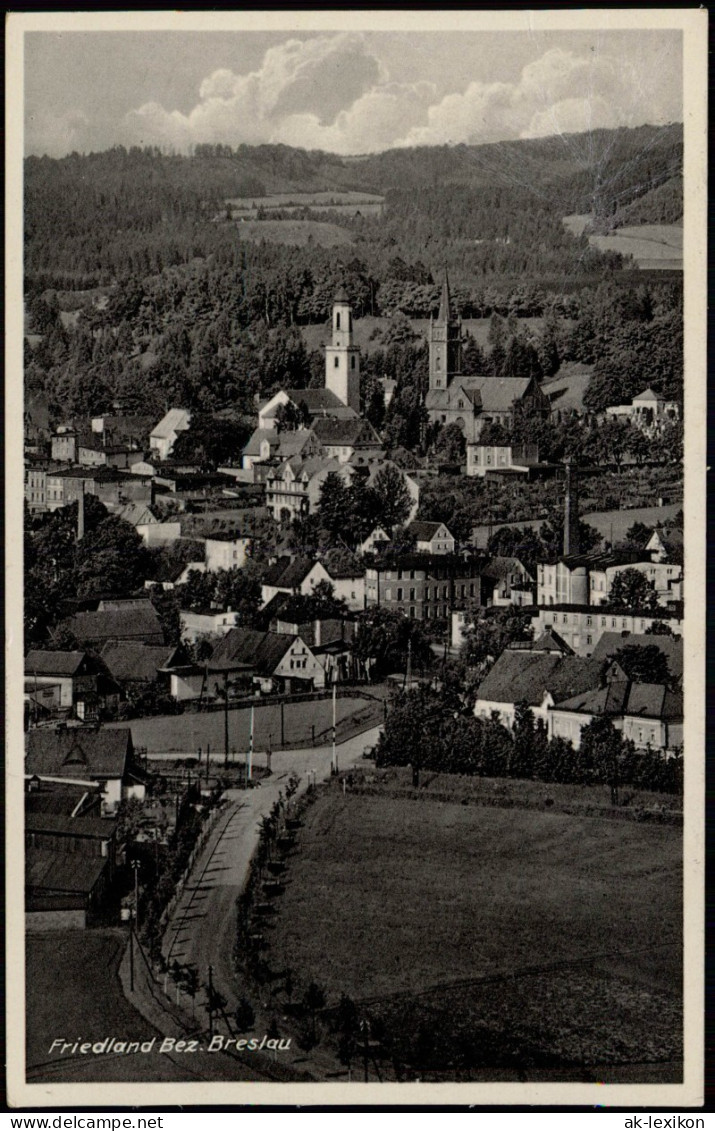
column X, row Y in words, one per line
column 445, row 303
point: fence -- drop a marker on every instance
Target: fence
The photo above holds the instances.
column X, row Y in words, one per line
column 206, row 831
column 342, row 691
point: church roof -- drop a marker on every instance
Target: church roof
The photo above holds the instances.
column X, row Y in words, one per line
column 445, row 302
column 341, row 295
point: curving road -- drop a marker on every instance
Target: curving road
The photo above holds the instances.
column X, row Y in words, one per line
column 202, row 931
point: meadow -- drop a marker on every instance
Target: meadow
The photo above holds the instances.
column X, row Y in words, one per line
column 492, row 941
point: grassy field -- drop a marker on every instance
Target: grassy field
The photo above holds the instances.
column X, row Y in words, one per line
column 322, row 200
column 186, row 733
column 553, row 935
column 297, row 233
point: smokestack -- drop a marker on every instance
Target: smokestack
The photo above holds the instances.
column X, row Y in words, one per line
column 80, row 513
column 571, row 535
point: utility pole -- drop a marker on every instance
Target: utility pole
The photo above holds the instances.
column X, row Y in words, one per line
column 283, row 736
column 131, row 951
column 225, row 718
column 135, row 866
column 335, row 756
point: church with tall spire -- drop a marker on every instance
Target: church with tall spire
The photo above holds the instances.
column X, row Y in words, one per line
column 470, row 401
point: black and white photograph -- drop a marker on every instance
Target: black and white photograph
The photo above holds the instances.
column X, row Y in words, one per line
column 355, row 472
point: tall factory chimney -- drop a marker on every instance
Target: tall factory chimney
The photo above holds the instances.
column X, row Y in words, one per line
column 571, row 534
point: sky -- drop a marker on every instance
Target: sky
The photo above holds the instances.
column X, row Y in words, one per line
column 344, row 91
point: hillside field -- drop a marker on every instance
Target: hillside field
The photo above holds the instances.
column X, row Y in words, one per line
column 297, row 233
column 552, row 933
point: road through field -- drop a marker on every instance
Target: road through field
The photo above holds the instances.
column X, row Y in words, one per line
column 202, row 931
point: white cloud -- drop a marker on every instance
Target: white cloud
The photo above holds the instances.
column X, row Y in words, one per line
column 57, row 134
column 331, row 92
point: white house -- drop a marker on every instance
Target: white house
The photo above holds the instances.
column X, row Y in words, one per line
column 226, row 552
column 432, row 538
column 293, row 577
column 211, row 622
column 165, row 434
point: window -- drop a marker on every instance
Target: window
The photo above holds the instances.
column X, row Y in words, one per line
column 589, row 640
column 412, row 611
column 589, row 621
column 412, row 575
column 399, row 594
column 603, row 622
column 337, row 321
column 352, row 362
column 412, row 594
column 336, row 363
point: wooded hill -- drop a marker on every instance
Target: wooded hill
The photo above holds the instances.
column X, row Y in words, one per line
column 487, row 209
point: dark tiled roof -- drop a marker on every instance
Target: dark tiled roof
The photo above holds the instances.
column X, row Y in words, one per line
column 94, row 828
column 128, row 660
column 671, row 647
column 355, row 432
column 137, row 622
column 288, row 574
column 52, row 663
column 425, row 531
column 62, row 798
column 78, row 754
column 62, row 871
column 262, row 651
column 526, row 676
column 315, row 399
column 645, row 700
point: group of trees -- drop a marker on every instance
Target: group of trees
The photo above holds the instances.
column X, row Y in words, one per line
column 429, row 733
column 349, row 513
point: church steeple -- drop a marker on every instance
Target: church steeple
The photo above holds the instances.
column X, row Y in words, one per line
column 342, row 357
column 445, row 342
column 445, row 302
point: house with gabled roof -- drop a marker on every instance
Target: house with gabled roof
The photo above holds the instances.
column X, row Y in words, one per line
column 318, row 403
column 104, row 757
column 271, row 443
column 165, row 434
column 647, row 714
column 352, row 440
column 79, row 682
column 273, row 660
column 293, row 488
column 539, row 679
column 130, row 620
column 431, row 537
column 292, row 576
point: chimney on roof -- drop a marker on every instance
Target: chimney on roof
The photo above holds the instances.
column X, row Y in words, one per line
column 571, row 533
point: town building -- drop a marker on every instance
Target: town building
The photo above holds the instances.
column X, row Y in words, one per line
column 96, row 757
column 471, row 402
column 272, row 661
column 431, row 538
column 647, row 714
column 648, row 411
column 165, row 434
column 349, row 441
column 67, row 683
column 423, row 586
column 293, row 576
column 271, row 444
column 501, row 461
column 311, row 403
column 582, row 626
column 116, row 619
column 539, row 679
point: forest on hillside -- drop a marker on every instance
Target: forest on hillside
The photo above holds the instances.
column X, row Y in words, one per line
column 139, row 292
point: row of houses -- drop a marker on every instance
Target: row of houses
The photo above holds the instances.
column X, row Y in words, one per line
column 566, row 692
